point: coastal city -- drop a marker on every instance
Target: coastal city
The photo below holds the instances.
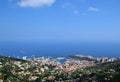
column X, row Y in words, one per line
column 61, row 69
column 59, row 40
column 69, row 63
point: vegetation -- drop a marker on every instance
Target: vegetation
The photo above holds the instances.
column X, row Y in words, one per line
column 12, row 70
column 80, row 58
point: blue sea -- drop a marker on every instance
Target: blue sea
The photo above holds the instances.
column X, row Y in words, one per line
column 58, row 49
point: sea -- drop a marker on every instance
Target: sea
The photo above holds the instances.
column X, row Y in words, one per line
column 59, row 49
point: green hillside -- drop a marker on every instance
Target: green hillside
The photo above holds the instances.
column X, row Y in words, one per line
column 16, row 70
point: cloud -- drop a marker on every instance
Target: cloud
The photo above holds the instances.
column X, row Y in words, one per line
column 76, row 11
column 35, row 3
column 70, row 7
column 93, row 9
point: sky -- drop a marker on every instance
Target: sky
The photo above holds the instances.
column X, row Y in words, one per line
column 60, row 20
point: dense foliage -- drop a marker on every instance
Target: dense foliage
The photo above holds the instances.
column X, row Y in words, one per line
column 80, row 58
column 25, row 71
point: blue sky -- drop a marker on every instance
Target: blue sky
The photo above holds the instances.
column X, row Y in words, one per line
column 60, row 20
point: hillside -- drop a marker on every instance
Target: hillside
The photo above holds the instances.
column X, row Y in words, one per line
column 15, row 70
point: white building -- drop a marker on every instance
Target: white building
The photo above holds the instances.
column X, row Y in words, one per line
column 24, row 57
